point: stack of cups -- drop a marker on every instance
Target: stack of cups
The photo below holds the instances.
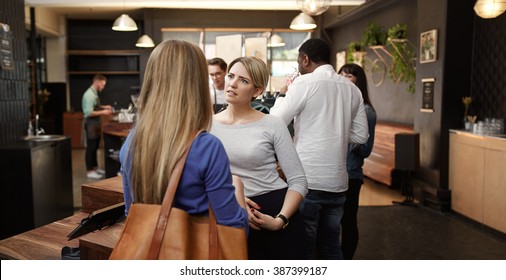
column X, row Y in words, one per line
column 491, row 126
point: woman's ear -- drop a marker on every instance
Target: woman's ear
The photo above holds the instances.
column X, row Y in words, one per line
column 258, row 92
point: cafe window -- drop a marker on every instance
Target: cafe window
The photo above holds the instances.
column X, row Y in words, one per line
column 281, row 60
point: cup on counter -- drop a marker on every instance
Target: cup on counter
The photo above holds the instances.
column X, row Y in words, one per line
column 480, row 128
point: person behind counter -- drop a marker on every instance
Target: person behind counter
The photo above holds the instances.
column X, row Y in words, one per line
column 217, row 70
column 175, row 104
column 355, row 160
column 92, row 110
column 253, row 140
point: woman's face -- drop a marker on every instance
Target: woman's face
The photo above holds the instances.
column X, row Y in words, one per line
column 239, row 87
column 350, row 77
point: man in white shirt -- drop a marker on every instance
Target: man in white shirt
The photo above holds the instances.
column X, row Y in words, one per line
column 217, row 72
column 328, row 113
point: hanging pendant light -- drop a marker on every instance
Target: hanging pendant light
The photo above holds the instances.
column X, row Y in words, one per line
column 145, row 42
column 124, row 23
column 275, row 41
column 489, row 8
column 314, row 7
column 303, row 22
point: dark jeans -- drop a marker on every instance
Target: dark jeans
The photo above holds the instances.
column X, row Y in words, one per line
column 349, row 226
column 285, row 244
column 92, row 130
column 322, row 212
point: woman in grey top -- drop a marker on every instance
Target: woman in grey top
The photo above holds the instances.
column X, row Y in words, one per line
column 254, row 143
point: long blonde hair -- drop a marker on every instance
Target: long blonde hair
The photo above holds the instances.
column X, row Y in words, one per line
column 174, row 104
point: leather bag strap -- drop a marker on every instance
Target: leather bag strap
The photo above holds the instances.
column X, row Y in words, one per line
column 213, row 236
column 156, row 242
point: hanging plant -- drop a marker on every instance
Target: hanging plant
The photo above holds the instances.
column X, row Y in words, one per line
column 374, row 35
column 398, row 31
column 403, row 56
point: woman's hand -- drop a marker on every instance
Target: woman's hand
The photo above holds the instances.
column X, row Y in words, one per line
column 264, row 221
column 253, row 221
column 258, row 220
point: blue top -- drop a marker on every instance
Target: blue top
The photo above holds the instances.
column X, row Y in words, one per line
column 206, row 178
column 358, row 152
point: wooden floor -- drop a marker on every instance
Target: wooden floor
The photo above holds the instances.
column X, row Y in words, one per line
column 371, row 194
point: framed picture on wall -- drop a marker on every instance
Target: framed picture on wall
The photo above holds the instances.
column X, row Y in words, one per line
column 428, row 46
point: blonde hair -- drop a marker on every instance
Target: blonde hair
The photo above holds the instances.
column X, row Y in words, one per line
column 174, row 104
column 256, row 68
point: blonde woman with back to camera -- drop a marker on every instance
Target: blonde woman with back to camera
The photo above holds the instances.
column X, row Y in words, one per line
column 174, row 105
column 254, row 142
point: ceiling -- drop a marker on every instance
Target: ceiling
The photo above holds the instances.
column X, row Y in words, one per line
column 111, row 8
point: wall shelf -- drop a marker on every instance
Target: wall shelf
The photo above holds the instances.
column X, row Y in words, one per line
column 104, row 72
column 93, row 48
column 104, row 52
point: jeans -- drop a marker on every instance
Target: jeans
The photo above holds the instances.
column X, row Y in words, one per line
column 322, row 212
column 349, row 226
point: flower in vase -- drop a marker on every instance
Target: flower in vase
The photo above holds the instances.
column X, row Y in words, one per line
column 467, row 102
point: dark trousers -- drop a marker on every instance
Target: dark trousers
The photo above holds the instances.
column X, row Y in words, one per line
column 93, row 133
column 349, row 228
column 285, row 244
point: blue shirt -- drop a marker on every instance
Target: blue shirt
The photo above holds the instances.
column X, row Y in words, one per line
column 358, row 152
column 206, row 178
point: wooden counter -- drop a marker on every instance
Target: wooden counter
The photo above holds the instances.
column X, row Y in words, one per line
column 100, row 194
column 43, row 243
column 116, row 128
column 46, row 242
column 477, row 178
column 114, row 135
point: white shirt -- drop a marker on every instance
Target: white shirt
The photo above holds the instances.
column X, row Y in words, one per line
column 220, row 95
column 328, row 112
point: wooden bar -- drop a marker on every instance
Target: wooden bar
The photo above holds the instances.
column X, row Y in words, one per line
column 46, row 242
column 43, row 243
column 99, row 194
column 98, row 245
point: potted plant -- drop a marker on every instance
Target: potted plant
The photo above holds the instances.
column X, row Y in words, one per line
column 403, row 56
column 355, row 52
column 398, row 31
column 374, row 35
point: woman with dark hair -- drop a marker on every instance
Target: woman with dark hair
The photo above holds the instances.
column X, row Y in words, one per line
column 356, row 155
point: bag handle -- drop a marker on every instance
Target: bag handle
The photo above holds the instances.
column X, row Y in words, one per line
column 156, row 241
column 163, row 218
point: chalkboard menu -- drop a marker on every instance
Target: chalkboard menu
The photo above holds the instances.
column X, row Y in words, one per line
column 6, row 62
column 428, row 95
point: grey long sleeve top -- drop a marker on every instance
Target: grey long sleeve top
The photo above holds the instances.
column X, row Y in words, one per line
column 252, row 149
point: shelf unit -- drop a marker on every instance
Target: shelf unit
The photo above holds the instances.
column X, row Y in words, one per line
column 93, row 48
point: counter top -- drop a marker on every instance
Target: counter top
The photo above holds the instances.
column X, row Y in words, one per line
column 501, row 137
column 27, row 145
column 117, row 128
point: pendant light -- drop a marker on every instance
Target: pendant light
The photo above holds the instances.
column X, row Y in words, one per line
column 303, row 22
column 313, row 7
column 145, row 42
column 124, row 23
column 489, row 8
column 275, row 41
